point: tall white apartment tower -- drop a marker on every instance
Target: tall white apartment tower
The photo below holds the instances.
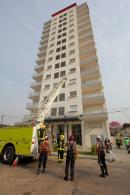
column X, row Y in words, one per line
column 67, row 48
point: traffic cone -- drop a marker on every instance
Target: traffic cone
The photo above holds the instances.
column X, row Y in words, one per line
column 15, row 161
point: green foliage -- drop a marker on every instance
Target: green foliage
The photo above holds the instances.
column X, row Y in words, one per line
column 93, row 149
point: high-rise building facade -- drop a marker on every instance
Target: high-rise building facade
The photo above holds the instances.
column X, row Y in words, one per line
column 67, row 48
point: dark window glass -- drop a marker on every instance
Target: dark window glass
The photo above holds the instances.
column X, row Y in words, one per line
column 63, row 64
column 53, row 111
column 58, row 49
column 63, row 55
column 64, row 40
column 59, row 42
column 56, row 75
column 57, row 57
column 57, row 65
column 61, row 111
column 64, row 47
column 62, row 97
column 62, row 73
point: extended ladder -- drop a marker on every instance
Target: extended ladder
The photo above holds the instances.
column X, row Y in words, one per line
column 44, row 105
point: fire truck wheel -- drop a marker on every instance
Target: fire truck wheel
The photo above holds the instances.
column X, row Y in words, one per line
column 8, row 154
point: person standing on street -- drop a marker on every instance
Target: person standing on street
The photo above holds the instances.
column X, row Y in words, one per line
column 44, row 150
column 110, row 152
column 70, row 158
column 100, row 150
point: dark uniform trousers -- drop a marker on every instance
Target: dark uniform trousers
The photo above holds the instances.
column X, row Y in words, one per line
column 42, row 160
column 70, row 161
column 102, row 163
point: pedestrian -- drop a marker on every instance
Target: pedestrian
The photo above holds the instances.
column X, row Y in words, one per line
column 110, row 152
column 100, row 150
column 44, row 150
column 70, row 158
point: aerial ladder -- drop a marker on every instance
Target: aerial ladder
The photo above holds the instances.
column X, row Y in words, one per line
column 45, row 104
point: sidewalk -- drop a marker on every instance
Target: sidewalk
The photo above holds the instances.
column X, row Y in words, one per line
column 121, row 155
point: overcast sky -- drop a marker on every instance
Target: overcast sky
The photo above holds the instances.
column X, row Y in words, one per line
column 21, row 23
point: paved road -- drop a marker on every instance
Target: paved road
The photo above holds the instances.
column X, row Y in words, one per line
column 22, row 180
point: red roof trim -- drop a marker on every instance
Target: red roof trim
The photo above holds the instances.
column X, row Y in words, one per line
column 66, row 8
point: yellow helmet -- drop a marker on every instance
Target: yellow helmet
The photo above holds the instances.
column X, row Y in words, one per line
column 62, row 137
column 42, row 125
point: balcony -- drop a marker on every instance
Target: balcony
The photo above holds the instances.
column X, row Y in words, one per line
column 88, row 55
column 85, row 34
column 93, row 85
column 90, row 73
column 85, row 31
column 84, row 40
column 83, row 18
column 93, row 99
column 43, row 48
column 86, row 50
column 84, row 64
column 34, row 95
column 95, row 116
column 84, row 25
column 41, row 61
column 36, row 85
column 39, row 67
column 38, row 76
column 31, row 106
column 42, row 54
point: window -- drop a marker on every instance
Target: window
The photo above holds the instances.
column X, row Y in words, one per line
column 60, row 21
column 53, row 28
column 62, row 73
column 71, row 25
column 71, row 52
column 49, row 67
column 51, row 51
column 64, row 47
column 64, row 34
column 71, row 31
column 47, row 86
column 64, row 23
column 63, row 55
column 65, row 14
column 59, row 42
column 53, row 33
column 56, row 99
column 50, row 59
column 61, row 16
column 71, row 11
column 52, row 45
column 59, row 30
column 61, row 111
column 72, row 60
column 64, row 40
column 73, row 108
column 53, row 111
column 60, row 25
column 71, row 37
column 72, row 44
column 64, row 19
column 59, row 36
column 72, row 81
column 57, row 65
column 53, row 38
column 73, row 93
column 62, row 97
column 71, row 15
column 71, row 20
column 64, row 28
column 72, row 70
column 63, row 64
column 56, row 75
column 63, row 86
column 48, row 76
column 57, row 57
column 58, row 49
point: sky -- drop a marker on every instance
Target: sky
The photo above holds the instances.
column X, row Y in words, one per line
column 21, row 23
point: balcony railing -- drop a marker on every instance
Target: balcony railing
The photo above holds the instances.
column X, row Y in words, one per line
column 31, row 106
column 39, row 67
column 88, row 86
column 40, row 61
column 93, row 99
column 36, row 84
column 89, row 60
column 90, row 73
column 95, row 116
column 35, row 75
column 34, row 94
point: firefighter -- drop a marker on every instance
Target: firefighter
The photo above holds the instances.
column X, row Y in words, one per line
column 41, row 133
column 70, row 158
column 58, row 147
column 61, row 149
column 100, row 150
column 44, row 151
